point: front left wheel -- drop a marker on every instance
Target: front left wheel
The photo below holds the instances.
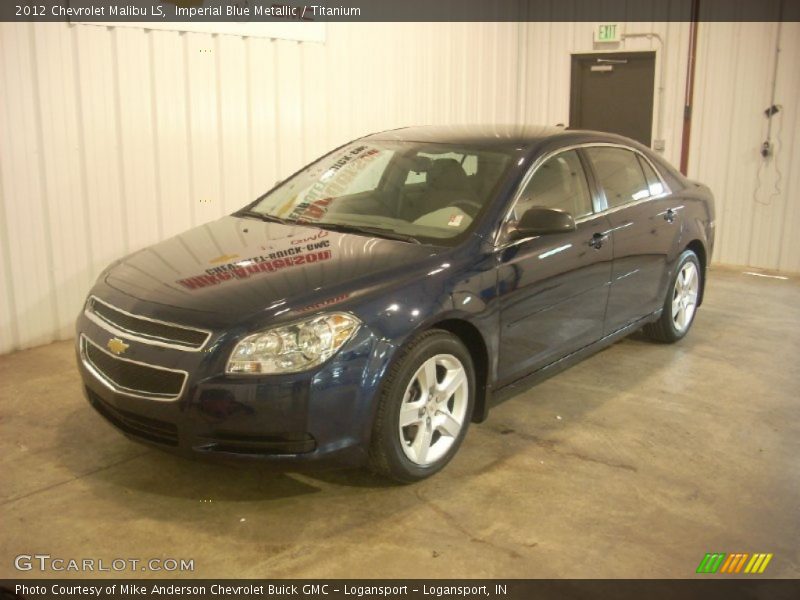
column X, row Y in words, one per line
column 424, row 409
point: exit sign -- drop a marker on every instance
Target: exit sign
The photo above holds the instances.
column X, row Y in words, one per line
column 608, row 32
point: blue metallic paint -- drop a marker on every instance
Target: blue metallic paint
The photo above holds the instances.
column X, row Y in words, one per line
column 508, row 295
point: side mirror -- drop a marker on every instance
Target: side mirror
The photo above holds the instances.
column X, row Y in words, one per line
column 542, row 221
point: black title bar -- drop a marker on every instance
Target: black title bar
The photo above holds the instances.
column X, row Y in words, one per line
column 255, row 11
column 750, row 587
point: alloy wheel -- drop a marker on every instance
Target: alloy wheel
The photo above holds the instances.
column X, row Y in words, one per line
column 684, row 296
column 433, row 410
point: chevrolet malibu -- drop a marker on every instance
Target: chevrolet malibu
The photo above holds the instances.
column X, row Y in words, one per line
column 372, row 305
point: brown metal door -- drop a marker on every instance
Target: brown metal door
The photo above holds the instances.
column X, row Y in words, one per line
column 613, row 92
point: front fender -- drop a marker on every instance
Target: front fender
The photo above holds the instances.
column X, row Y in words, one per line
column 445, row 297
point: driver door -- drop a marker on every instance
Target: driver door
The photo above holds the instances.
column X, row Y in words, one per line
column 553, row 289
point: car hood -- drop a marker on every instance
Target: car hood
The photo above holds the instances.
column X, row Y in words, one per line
column 235, row 268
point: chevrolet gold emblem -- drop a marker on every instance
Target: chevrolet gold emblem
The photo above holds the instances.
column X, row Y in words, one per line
column 117, row 346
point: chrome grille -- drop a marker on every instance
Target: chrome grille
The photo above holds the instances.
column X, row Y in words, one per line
column 145, row 329
column 132, row 377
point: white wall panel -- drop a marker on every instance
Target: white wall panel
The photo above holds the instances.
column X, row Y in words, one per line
column 757, row 198
column 26, row 209
column 113, row 138
column 63, row 173
column 233, row 121
column 289, row 97
column 263, row 125
column 788, row 154
column 99, row 122
column 133, row 91
column 172, row 150
column 202, row 96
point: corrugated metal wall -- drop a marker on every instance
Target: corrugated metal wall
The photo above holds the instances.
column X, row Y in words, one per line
column 758, row 200
column 115, row 138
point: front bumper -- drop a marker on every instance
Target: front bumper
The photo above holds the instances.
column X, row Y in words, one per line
column 322, row 416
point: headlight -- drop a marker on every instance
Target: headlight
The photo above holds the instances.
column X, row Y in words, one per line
column 295, row 347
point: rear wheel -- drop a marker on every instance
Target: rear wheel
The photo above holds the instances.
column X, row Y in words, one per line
column 680, row 305
column 425, row 408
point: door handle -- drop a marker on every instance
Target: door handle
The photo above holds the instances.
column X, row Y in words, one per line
column 597, row 240
column 669, row 216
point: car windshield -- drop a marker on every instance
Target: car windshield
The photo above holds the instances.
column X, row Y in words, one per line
column 422, row 192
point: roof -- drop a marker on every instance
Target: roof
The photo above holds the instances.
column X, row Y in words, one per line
column 484, row 135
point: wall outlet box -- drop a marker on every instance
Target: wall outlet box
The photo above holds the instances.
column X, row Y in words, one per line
column 659, row 145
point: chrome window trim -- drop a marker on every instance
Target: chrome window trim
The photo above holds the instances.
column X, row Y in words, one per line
column 605, row 211
column 117, row 329
column 114, row 387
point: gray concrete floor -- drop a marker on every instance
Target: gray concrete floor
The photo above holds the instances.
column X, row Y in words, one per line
column 634, row 463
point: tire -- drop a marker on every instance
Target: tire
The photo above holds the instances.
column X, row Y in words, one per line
column 438, row 415
column 680, row 304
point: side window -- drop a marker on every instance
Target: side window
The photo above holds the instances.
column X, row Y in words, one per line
column 620, row 175
column 653, row 181
column 560, row 182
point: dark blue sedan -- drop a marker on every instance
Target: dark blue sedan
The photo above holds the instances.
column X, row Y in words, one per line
column 373, row 304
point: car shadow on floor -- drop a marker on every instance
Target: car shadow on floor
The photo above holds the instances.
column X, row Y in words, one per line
column 280, row 511
column 142, row 468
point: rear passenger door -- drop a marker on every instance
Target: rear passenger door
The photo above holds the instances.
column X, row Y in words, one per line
column 645, row 226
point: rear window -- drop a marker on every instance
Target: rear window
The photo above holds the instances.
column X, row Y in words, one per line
column 468, row 161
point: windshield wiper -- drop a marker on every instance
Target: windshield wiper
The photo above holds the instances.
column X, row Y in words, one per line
column 342, row 227
column 263, row 217
column 376, row 231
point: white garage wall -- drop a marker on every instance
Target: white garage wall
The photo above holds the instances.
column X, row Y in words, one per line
column 758, row 201
column 115, row 138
